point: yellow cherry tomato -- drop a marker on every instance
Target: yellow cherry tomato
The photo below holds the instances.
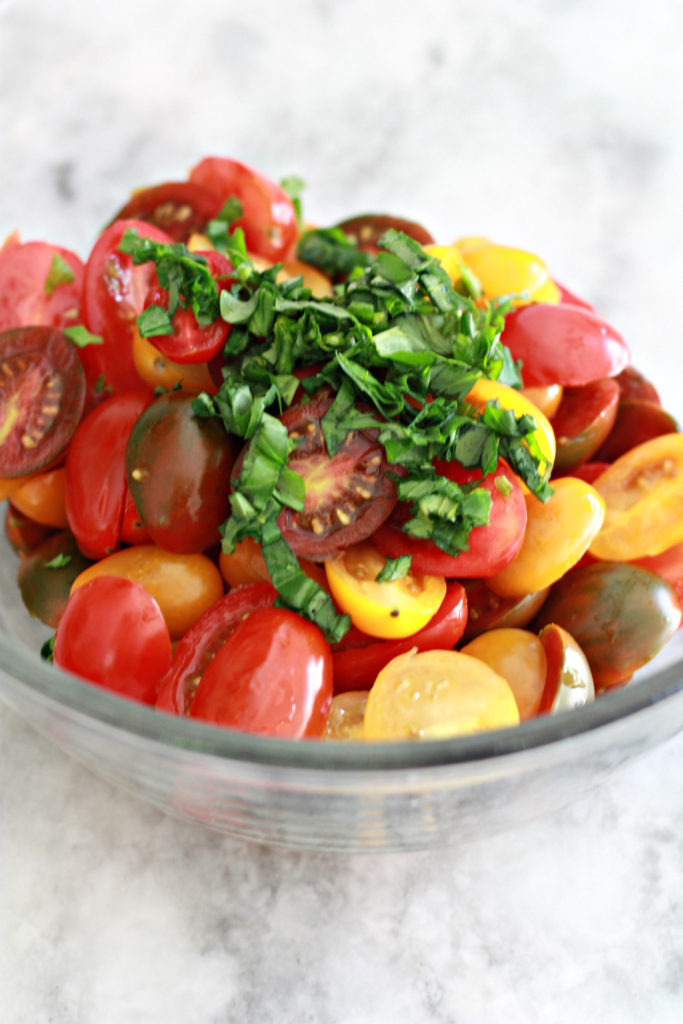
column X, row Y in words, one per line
column 41, row 498
column 394, row 609
column 184, row 586
column 345, row 718
column 449, row 257
column 558, row 534
column 546, row 398
column 469, row 242
column 502, row 270
column 159, row 371
column 518, row 656
column 486, row 390
column 643, row 494
column 435, row 694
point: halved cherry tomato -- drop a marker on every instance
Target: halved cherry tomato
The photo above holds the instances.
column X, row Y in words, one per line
column 114, row 291
column 40, row 285
column 201, row 642
column 502, row 270
column 491, row 547
column 158, row 371
column 119, row 617
column 345, row 718
column 180, row 208
column 184, row 586
column 389, row 610
column 46, row 574
column 95, row 481
column 366, row 229
column 272, row 675
column 178, row 471
column 643, row 494
column 347, row 496
column 584, row 419
column 358, row 658
column 42, row 499
column 246, row 565
column 190, row 341
column 563, row 344
column 569, row 680
column 636, row 421
column 268, row 217
column 558, row 533
column 42, row 394
column 546, row 398
column 434, row 694
column 518, row 656
column 487, row 610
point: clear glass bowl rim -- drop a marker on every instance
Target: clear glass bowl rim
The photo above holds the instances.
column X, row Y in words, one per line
column 70, row 692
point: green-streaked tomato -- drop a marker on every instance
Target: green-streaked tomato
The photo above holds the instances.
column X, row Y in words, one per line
column 620, row 616
column 569, row 680
column 583, row 421
column 45, row 576
column 636, row 421
column 178, row 470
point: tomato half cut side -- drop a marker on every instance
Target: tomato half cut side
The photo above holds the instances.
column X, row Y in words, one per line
column 180, row 208
column 40, row 285
column 491, row 547
column 201, row 642
column 114, row 292
column 584, row 419
column 42, row 395
column 366, row 229
column 347, row 496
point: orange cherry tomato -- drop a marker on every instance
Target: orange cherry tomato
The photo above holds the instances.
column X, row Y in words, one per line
column 434, row 694
column 546, row 397
column 643, row 495
column 42, row 499
column 246, row 565
column 158, row 370
column 558, row 533
column 486, row 390
column 184, row 585
column 345, row 717
column 518, row 656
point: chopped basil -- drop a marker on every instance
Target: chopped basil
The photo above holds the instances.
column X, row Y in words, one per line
column 59, row 273
column 58, row 562
column 81, row 336
column 394, row 569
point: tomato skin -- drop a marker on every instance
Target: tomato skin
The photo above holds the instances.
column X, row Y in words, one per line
column 491, row 547
column 201, row 642
column 114, row 293
column 268, row 217
column 180, row 208
column 583, row 421
column 112, row 633
column 358, row 658
column 634, row 386
column 42, row 499
column 45, row 591
column 190, row 342
column 569, row 680
column 95, row 485
column 669, row 565
column 25, row 300
column 23, row 533
column 178, row 471
column 42, row 396
column 563, row 344
column 273, row 676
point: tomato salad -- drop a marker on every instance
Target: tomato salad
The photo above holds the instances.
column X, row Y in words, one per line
column 329, row 482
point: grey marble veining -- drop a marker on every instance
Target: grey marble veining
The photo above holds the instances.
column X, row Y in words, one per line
column 549, row 125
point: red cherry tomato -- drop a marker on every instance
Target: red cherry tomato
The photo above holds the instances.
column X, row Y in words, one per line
column 179, row 208
column 114, row 293
column 491, row 547
column 273, row 675
column 112, row 633
column 42, row 394
column 268, row 217
column 563, row 344
column 366, row 230
column 191, row 342
column 584, row 419
column 358, row 658
column 40, row 285
column 96, row 473
column 201, row 642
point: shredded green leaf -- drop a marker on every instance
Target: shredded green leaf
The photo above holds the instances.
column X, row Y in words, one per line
column 58, row 562
column 59, row 273
column 394, row 569
column 81, row 336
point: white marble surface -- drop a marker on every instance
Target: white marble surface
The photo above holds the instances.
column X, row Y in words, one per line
column 551, row 125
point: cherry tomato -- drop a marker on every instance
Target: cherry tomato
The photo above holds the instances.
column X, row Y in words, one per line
column 42, row 499
column 178, row 471
column 563, row 344
column 584, row 419
column 487, row 610
column 636, row 421
column 112, row 633
column 246, row 565
column 132, row 528
column 633, row 386
column 24, row 534
column 272, row 675
column 558, row 533
column 198, row 645
column 643, row 494
column 669, row 565
column 268, row 217
column 46, row 574
column 345, row 718
column 95, row 483
column 347, row 496
column 546, row 398
column 435, row 694
column 569, row 680
column 180, row 208
column 358, row 658
column 365, row 230
column 184, row 586
column 190, row 341
column 320, row 285
column 40, row 285
column 390, row 610
column 485, row 391
column 42, row 394
column 518, row 656
column 502, row 270
column 114, row 292
column 158, row 371
column 491, row 547
column 589, row 471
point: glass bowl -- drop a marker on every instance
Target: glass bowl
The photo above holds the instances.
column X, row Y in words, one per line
column 334, row 796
